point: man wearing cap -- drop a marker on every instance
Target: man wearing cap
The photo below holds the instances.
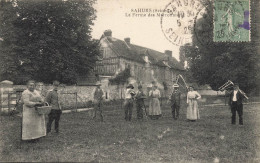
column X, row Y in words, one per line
column 98, row 97
column 175, row 100
column 139, row 102
column 235, row 102
column 128, row 104
column 53, row 100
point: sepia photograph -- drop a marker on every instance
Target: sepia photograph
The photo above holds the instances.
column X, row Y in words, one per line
column 130, row 81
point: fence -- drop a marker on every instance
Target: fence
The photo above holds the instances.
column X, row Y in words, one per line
column 7, row 97
column 78, row 101
column 75, row 97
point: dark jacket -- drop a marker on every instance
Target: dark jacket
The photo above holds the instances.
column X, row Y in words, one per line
column 140, row 96
column 98, row 95
column 239, row 98
column 175, row 98
column 53, row 99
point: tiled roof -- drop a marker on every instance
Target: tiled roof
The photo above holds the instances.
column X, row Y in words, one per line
column 121, row 49
column 135, row 52
column 158, row 57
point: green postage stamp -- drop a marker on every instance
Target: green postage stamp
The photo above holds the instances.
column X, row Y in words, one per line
column 232, row 21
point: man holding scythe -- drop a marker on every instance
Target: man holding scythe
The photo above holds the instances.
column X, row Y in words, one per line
column 236, row 105
column 175, row 99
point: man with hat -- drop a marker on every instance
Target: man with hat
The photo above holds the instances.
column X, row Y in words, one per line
column 98, row 98
column 235, row 102
column 175, row 100
column 129, row 100
column 139, row 102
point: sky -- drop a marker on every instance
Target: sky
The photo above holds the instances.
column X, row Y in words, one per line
column 144, row 31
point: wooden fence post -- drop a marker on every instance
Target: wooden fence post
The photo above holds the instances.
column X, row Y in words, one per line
column 8, row 99
column 76, row 94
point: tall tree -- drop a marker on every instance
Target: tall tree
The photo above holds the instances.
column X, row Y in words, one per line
column 47, row 40
column 215, row 62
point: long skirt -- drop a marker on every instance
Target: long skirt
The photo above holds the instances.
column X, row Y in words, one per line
column 154, row 107
column 33, row 124
column 193, row 110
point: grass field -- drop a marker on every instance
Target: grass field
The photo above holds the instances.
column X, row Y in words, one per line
column 210, row 139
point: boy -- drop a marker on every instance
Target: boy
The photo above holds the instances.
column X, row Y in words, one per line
column 53, row 100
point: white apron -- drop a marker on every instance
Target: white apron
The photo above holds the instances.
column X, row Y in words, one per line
column 33, row 124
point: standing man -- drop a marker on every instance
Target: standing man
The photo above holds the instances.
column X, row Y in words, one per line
column 175, row 100
column 129, row 102
column 53, row 100
column 98, row 98
column 235, row 102
column 140, row 102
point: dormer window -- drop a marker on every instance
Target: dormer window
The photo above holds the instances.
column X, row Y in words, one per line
column 166, row 63
column 101, row 54
column 146, row 59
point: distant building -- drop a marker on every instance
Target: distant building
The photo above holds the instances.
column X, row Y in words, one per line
column 146, row 65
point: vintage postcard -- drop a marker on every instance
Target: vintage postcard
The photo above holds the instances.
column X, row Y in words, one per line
column 129, row 81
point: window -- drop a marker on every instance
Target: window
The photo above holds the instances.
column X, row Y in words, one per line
column 146, row 58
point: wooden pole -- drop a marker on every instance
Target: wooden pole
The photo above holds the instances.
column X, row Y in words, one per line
column 9, row 107
column 76, row 94
column 225, row 99
column 121, row 98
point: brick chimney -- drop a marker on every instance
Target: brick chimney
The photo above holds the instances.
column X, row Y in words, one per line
column 168, row 53
column 108, row 32
column 127, row 40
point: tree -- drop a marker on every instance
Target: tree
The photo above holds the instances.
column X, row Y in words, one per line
column 214, row 63
column 182, row 57
column 121, row 78
column 46, row 40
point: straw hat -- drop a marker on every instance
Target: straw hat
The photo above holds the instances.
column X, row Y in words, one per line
column 175, row 86
column 130, row 86
column 98, row 83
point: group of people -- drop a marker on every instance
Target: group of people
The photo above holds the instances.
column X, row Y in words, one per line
column 154, row 109
column 193, row 114
column 33, row 124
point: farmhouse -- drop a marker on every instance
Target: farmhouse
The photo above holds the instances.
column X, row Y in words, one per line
column 146, row 65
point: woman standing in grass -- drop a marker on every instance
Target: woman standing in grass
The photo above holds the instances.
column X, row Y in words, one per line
column 192, row 109
column 33, row 124
column 154, row 105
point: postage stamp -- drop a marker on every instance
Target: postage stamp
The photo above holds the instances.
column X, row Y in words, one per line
column 231, row 21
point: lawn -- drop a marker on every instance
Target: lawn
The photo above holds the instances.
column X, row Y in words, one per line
column 210, row 139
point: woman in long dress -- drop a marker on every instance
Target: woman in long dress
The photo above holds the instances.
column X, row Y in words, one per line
column 33, row 124
column 192, row 109
column 154, row 110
